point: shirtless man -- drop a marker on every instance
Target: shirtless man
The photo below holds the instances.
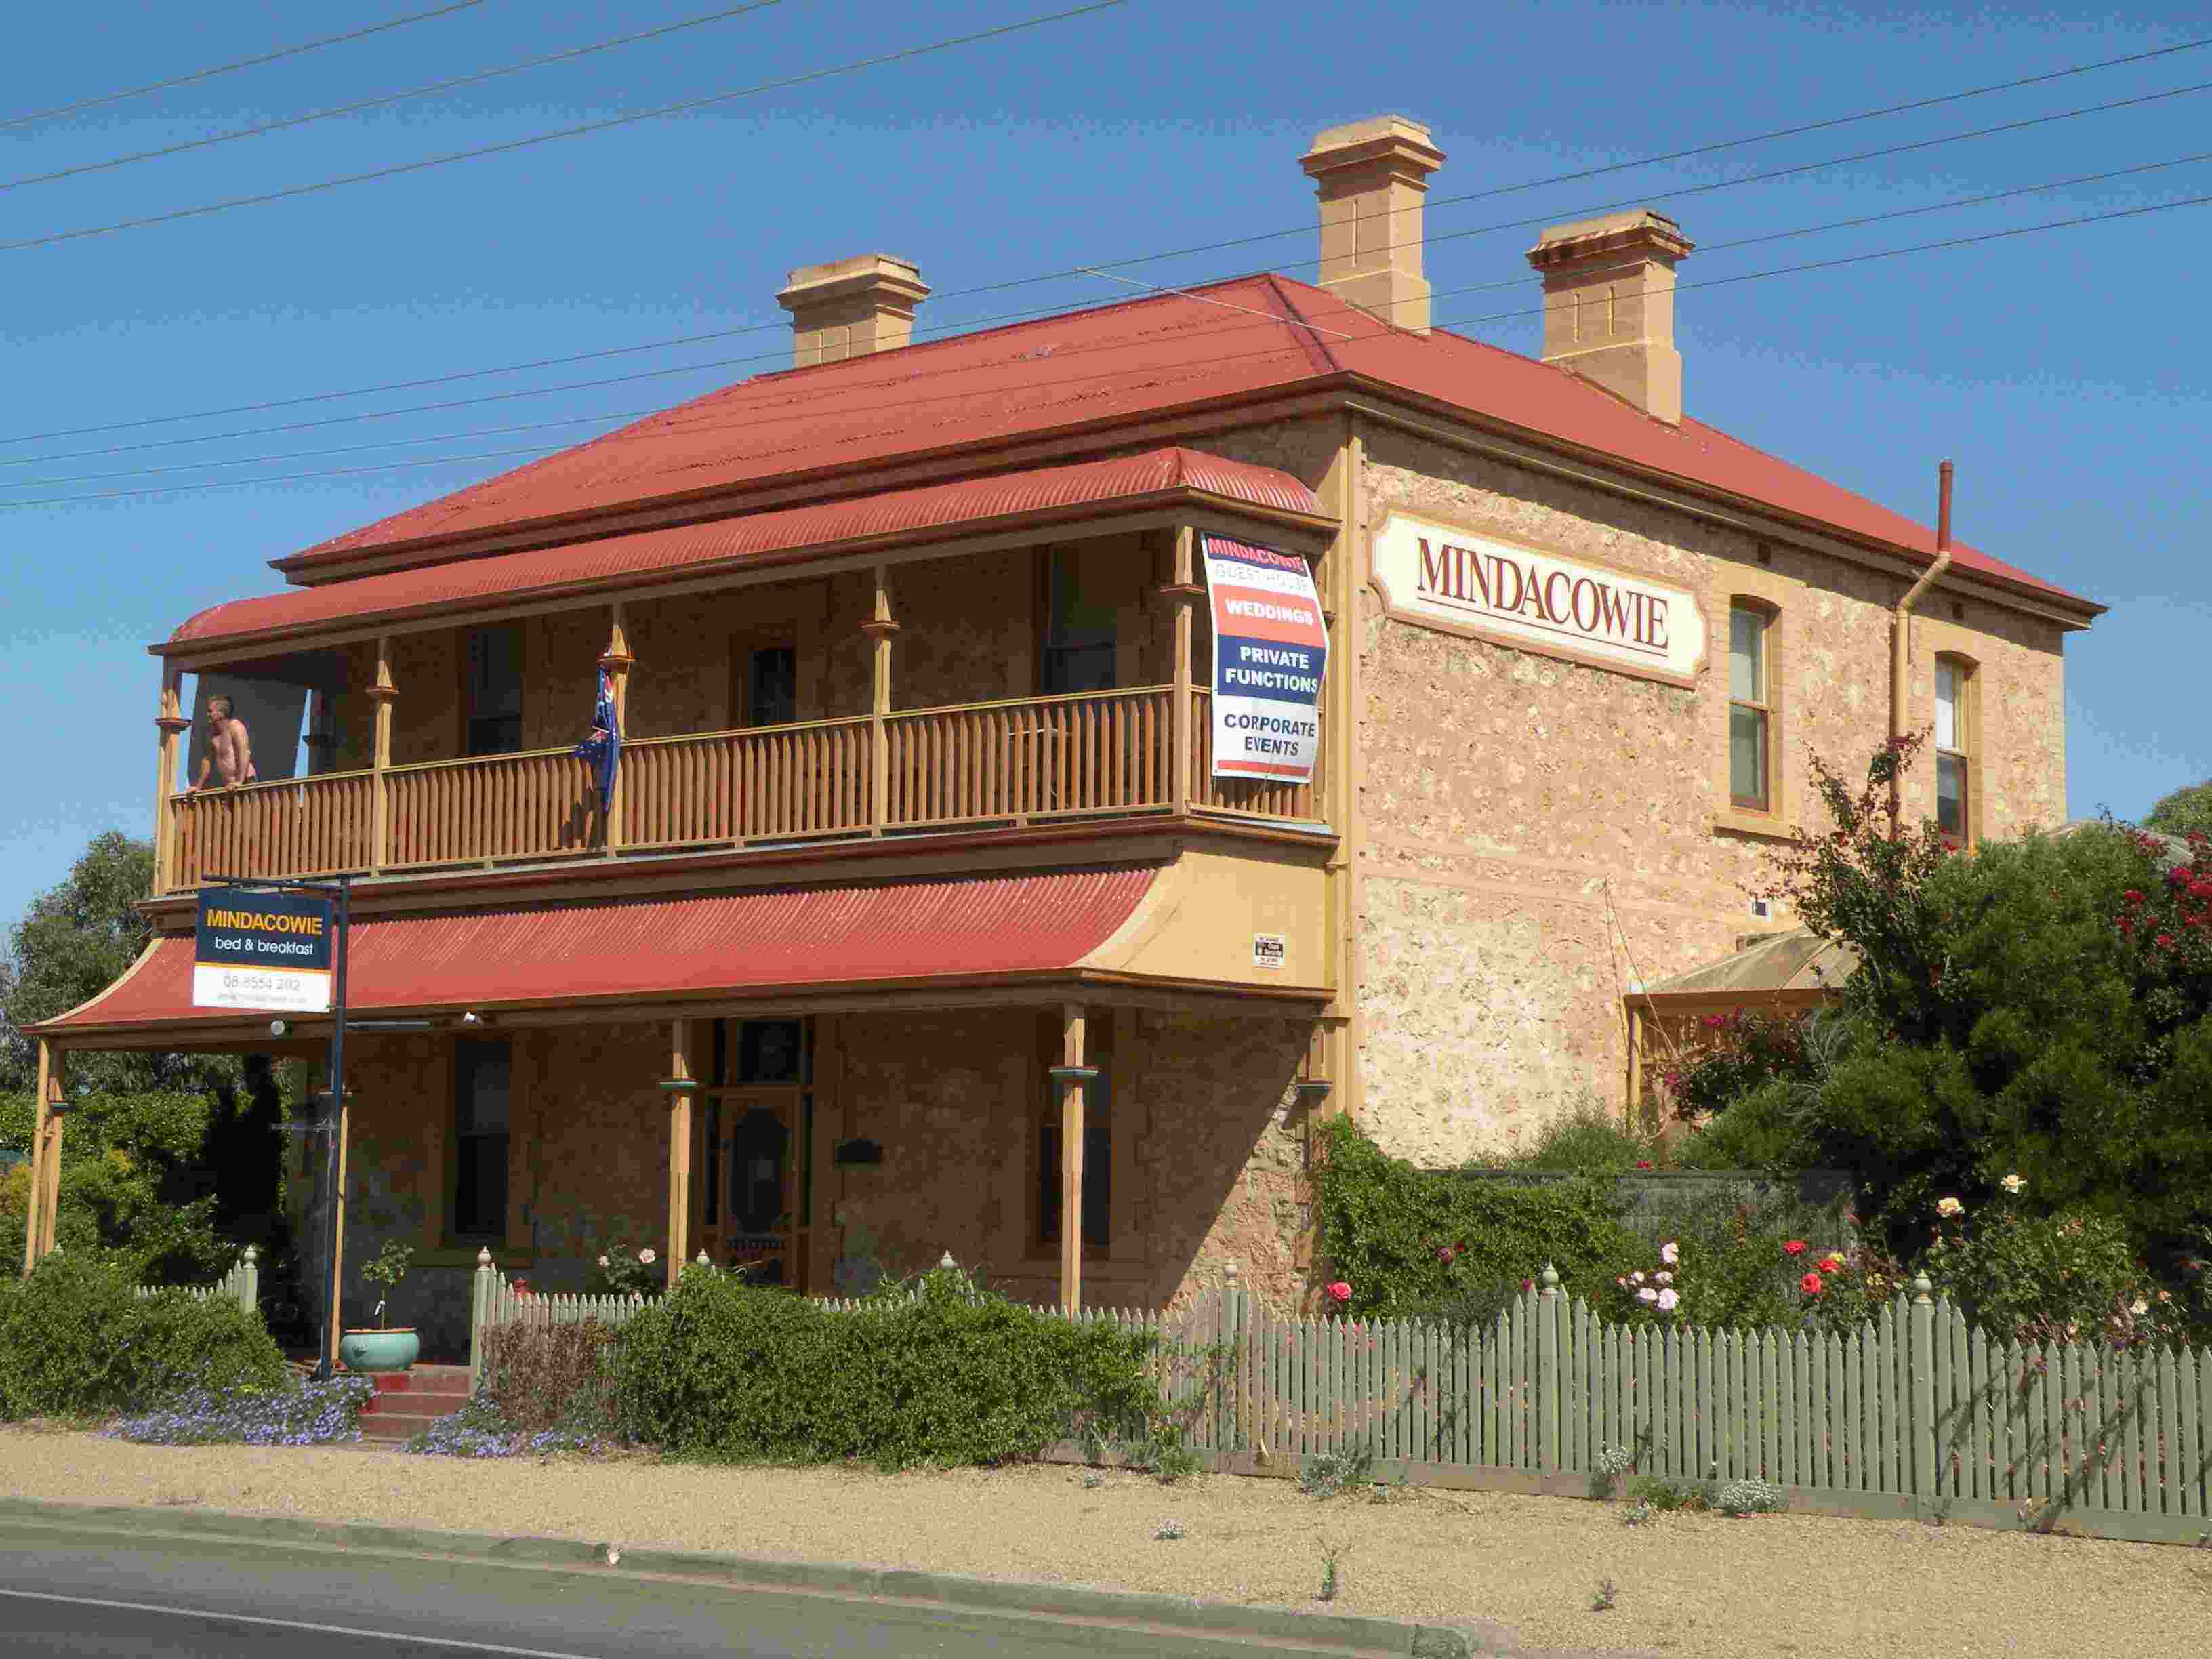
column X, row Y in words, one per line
column 230, row 755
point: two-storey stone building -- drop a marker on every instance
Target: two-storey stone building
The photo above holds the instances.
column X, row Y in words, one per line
column 918, row 918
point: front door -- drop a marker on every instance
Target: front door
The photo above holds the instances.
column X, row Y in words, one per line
column 752, row 1153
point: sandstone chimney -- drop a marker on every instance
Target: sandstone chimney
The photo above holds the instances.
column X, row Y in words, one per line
column 1609, row 304
column 850, row 307
column 1372, row 176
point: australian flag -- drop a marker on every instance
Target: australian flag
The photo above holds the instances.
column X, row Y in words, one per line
column 603, row 749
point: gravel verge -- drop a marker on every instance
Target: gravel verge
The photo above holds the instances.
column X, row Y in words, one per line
column 1700, row 1585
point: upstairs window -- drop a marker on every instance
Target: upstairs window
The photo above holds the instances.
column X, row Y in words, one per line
column 482, row 1091
column 1954, row 748
column 493, row 691
column 767, row 685
column 1081, row 616
column 1751, row 719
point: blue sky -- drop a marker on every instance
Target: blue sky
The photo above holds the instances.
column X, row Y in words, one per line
column 2066, row 372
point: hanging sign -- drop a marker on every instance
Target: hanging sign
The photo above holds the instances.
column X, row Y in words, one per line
column 1466, row 582
column 268, row 951
column 1270, row 650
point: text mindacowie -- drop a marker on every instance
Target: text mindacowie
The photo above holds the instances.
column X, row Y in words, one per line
column 1483, row 580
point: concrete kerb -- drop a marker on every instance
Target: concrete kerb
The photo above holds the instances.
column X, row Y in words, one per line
column 1324, row 1632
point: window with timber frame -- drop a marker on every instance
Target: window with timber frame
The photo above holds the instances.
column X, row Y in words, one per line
column 1752, row 710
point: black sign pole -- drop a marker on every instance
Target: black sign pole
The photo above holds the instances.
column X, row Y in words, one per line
column 334, row 1157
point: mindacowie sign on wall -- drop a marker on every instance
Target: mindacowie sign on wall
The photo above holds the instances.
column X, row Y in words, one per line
column 1466, row 582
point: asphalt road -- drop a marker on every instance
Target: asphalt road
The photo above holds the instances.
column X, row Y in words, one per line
column 103, row 1593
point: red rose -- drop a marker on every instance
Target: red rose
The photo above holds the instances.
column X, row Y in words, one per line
column 1643, row 1162
column 1810, row 1283
column 1341, row 1290
column 1793, row 1246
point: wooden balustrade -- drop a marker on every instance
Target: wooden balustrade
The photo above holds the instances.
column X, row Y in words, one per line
column 1095, row 754
column 776, row 783
column 1100, row 752
column 540, row 804
column 1255, row 796
column 290, row 827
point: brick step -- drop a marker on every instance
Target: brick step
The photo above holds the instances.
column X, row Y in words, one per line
column 398, row 1425
column 422, row 1380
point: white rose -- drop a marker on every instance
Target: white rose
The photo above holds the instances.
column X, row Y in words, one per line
column 1647, row 1294
column 1668, row 1300
column 603, row 1261
column 1636, row 1277
column 1670, row 1253
column 1663, row 1279
column 2013, row 1183
column 2140, row 1307
column 646, row 1256
column 1949, row 1207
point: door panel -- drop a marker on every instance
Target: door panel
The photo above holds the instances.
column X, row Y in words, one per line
column 753, row 1157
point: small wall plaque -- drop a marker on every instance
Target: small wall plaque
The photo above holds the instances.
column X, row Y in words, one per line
column 1268, row 952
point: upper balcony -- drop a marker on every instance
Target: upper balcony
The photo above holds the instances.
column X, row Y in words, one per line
column 1051, row 682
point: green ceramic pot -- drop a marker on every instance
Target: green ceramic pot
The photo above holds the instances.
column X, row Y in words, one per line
column 378, row 1351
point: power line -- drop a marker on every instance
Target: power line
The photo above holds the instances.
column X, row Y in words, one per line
column 611, row 415
column 906, row 404
column 606, row 124
column 717, row 334
column 1672, row 156
column 225, row 68
column 388, row 98
column 737, row 362
column 1802, row 168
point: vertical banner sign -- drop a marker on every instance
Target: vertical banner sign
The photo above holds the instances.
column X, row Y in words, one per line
column 269, row 951
column 1270, row 650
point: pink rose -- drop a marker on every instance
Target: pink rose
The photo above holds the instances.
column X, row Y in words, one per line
column 1341, row 1290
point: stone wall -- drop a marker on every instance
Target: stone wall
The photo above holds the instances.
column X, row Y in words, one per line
column 1538, row 834
column 587, row 1167
column 1208, row 1158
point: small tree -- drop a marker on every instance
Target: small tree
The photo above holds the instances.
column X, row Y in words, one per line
column 389, row 1268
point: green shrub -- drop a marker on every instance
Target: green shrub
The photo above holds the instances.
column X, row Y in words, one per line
column 1324, row 1474
column 1662, row 1493
column 76, row 1340
column 1414, row 1241
column 548, row 1376
column 1586, row 1140
column 2063, row 1277
column 936, row 1373
column 1748, row 1497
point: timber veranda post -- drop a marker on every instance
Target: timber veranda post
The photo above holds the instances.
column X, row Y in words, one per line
column 170, row 720
column 880, row 627
column 1182, row 591
column 1069, row 1078
column 383, row 692
column 57, row 1097
column 34, row 1206
column 617, row 662
column 680, row 1087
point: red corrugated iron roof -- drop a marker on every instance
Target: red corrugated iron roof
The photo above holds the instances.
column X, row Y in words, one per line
column 911, row 933
column 754, row 538
column 1247, row 336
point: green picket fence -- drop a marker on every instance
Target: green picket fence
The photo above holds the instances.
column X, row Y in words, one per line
column 241, row 1284
column 1913, row 1414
